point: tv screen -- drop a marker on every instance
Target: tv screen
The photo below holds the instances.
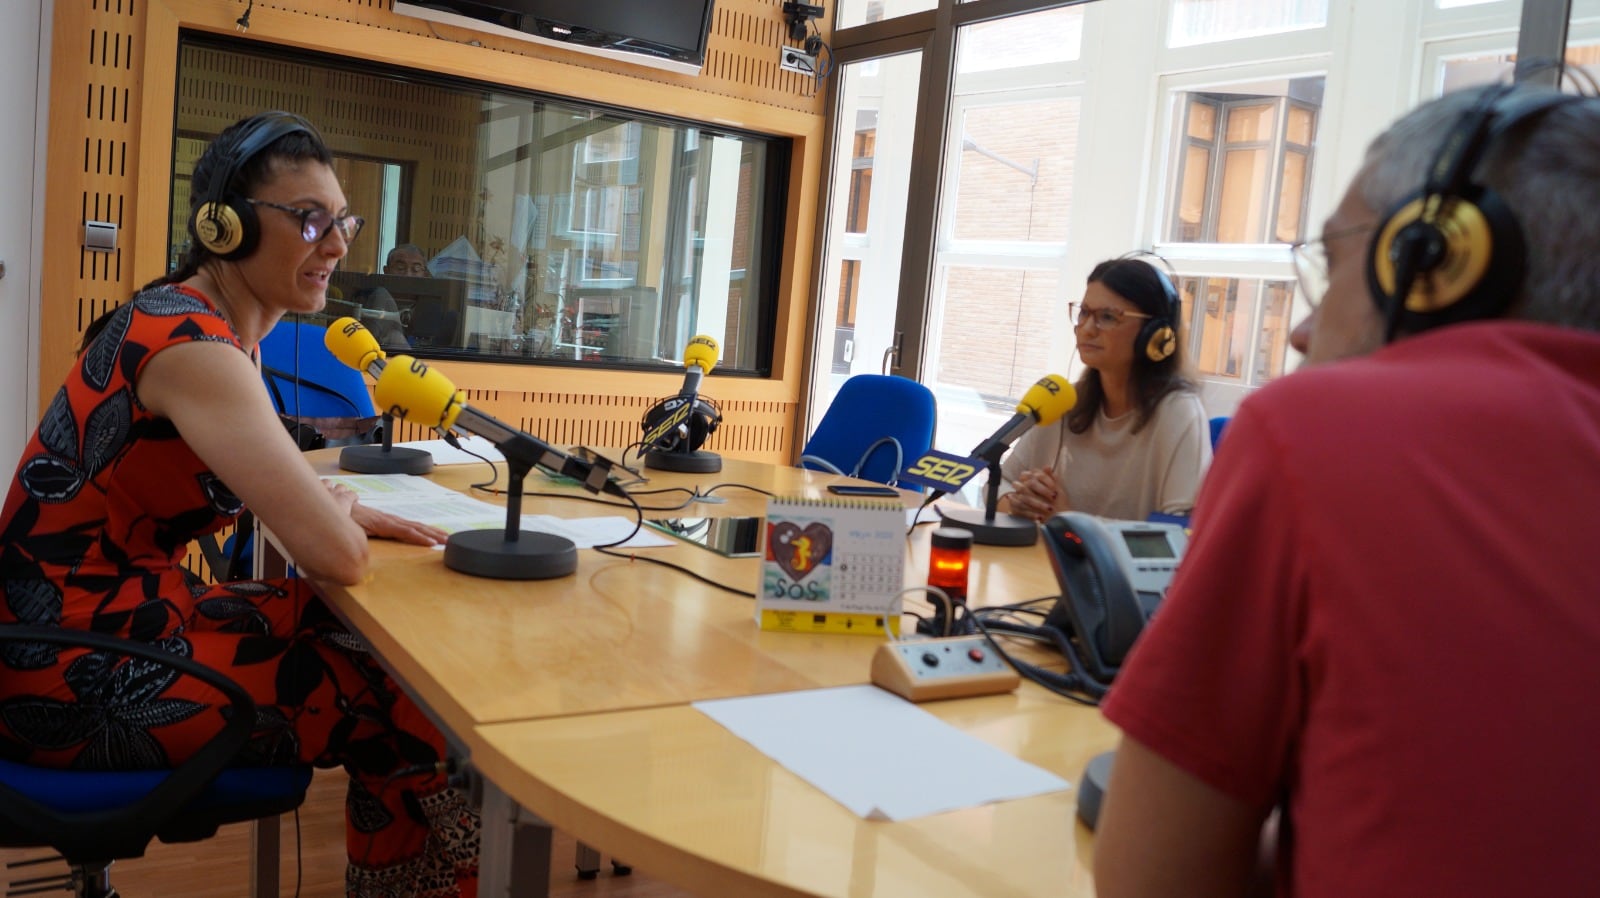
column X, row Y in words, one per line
column 668, row 33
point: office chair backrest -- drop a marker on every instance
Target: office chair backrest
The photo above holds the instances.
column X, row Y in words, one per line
column 876, row 425
column 93, row 817
column 327, row 388
column 1218, row 424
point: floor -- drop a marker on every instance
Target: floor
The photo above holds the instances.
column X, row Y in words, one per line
column 220, row 867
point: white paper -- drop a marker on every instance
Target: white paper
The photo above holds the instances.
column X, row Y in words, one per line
column 876, row 753
column 420, row 499
column 445, row 454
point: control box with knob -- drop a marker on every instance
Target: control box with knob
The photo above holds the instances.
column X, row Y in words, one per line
column 954, row 667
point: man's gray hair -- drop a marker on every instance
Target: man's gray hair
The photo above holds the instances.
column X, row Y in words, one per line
column 1548, row 172
column 407, row 249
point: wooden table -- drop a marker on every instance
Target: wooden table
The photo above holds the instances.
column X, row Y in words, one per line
column 675, row 793
column 566, row 692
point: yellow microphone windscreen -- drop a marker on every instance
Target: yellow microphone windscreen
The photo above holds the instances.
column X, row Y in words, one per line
column 352, row 344
column 1048, row 399
column 701, row 352
column 411, row 390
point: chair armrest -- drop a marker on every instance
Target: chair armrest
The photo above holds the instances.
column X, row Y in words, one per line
column 126, row 830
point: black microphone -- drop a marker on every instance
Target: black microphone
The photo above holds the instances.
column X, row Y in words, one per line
column 354, row 345
column 667, row 425
column 672, row 432
column 1044, row 403
column 409, row 389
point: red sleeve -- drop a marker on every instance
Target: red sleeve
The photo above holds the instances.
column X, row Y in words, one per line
column 1214, row 684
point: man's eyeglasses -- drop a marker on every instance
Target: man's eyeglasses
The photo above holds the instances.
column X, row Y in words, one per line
column 1104, row 319
column 1311, row 262
column 316, row 223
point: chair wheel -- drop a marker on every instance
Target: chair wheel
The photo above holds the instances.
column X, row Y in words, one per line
column 588, row 874
column 619, row 869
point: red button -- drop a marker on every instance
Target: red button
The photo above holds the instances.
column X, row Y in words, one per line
column 975, row 654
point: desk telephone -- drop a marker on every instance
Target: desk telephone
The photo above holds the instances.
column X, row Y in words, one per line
column 1113, row 575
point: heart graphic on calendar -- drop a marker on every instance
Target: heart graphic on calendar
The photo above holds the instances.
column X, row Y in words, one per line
column 799, row 550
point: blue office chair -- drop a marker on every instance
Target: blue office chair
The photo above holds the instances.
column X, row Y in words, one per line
column 876, row 425
column 1218, row 424
column 94, row 817
column 294, row 352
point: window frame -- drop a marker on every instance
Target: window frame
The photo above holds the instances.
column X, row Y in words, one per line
column 768, row 195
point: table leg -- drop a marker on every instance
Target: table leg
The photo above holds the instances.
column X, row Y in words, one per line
column 265, row 840
column 587, row 862
column 515, row 857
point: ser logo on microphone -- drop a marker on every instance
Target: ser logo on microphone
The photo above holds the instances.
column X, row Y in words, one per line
column 680, row 409
column 940, row 471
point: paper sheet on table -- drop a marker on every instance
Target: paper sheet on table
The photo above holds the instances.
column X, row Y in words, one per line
column 420, row 499
column 876, row 753
column 445, row 454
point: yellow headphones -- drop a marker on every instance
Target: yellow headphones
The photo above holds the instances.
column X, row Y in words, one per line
column 224, row 223
column 1453, row 251
column 1158, row 337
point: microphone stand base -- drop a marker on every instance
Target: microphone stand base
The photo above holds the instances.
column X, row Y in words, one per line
column 696, row 462
column 373, row 459
column 1003, row 530
column 532, row 556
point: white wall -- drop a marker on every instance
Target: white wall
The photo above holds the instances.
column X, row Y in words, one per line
column 24, row 67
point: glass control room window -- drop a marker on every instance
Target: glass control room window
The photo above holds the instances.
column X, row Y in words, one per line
column 550, row 232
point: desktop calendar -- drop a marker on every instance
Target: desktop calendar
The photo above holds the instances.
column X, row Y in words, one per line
column 831, row 566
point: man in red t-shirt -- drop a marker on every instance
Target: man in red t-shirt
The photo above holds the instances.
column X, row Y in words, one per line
column 1387, row 625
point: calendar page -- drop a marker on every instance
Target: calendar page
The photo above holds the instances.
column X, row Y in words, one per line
column 831, row 566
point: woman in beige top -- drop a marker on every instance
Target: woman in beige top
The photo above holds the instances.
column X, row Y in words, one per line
column 1138, row 440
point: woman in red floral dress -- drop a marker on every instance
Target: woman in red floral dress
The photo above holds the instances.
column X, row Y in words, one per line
column 162, row 433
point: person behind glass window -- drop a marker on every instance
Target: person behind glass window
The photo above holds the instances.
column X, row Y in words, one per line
column 1138, row 439
column 407, row 260
column 163, row 433
column 1385, row 627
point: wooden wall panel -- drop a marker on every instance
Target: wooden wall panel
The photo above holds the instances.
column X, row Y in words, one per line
column 111, row 132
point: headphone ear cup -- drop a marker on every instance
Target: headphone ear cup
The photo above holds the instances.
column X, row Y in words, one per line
column 229, row 229
column 703, row 421
column 1157, row 339
column 1469, row 260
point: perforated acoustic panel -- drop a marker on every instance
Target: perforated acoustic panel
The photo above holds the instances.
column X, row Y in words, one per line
column 101, row 159
column 753, row 430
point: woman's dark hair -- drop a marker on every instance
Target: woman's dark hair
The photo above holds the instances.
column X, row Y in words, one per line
column 298, row 146
column 1142, row 284
column 244, row 176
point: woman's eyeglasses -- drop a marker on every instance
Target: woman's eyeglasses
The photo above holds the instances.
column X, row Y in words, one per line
column 316, row 223
column 1105, row 319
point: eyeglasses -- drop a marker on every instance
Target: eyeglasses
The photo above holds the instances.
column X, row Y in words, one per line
column 1311, row 262
column 1104, row 319
column 316, row 223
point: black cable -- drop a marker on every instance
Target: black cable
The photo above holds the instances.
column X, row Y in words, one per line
column 677, row 567
column 1064, row 685
column 295, row 379
column 816, row 40
column 243, row 22
column 717, row 486
column 916, row 519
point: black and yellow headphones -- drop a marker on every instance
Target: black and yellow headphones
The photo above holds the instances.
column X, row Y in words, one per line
column 1157, row 340
column 225, row 224
column 1453, row 251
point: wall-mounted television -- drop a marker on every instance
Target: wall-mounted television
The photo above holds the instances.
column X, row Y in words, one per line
column 666, row 34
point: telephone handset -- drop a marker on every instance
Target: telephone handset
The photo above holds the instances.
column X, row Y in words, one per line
column 1112, row 576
